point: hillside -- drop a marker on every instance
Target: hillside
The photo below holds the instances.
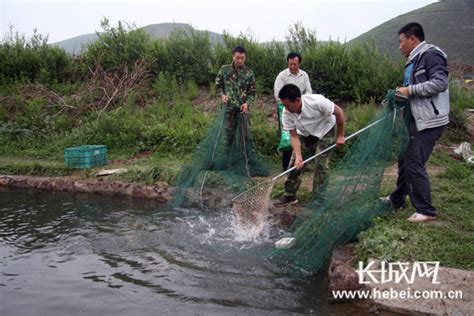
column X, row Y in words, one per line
column 161, row 30
column 448, row 24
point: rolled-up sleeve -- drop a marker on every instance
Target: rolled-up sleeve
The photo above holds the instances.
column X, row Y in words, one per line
column 288, row 121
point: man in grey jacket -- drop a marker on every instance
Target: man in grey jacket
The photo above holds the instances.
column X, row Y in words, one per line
column 425, row 83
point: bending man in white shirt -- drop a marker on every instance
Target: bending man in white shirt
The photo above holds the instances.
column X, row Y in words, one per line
column 311, row 120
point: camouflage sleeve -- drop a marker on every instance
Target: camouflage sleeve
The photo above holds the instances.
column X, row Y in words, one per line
column 251, row 89
column 220, row 82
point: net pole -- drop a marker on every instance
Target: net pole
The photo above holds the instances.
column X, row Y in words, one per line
column 330, row 147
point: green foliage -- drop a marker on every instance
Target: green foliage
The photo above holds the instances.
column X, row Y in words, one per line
column 461, row 99
column 358, row 116
column 458, row 171
column 20, row 166
column 149, row 174
column 166, row 87
column 173, row 128
column 117, row 47
column 358, row 73
column 32, row 59
column 300, row 39
column 192, row 90
column 185, row 56
column 265, row 133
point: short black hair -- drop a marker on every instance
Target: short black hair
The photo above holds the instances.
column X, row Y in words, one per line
column 413, row 28
column 239, row 49
column 293, row 55
column 290, row 92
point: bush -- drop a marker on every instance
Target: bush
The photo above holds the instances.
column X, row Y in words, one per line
column 461, row 99
column 186, row 56
column 30, row 60
column 342, row 73
column 117, row 47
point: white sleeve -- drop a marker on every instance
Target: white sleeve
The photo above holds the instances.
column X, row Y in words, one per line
column 277, row 87
column 308, row 89
column 288, row 121
column 325, row 106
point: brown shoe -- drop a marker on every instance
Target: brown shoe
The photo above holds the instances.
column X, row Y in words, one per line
column 285, row 201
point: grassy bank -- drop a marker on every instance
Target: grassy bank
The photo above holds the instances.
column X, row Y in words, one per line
column 153, row 142
column 450, row 240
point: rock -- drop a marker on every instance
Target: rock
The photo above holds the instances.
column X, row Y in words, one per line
column 449, row 282
column 341, row 275
column 107, row 172
column 286, row 219
column 70, row 184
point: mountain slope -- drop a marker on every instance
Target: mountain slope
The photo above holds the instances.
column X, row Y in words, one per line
column 448, row 24
column 161, row 30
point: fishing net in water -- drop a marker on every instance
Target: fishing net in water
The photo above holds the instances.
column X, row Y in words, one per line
column 351, row 196
column 222, row 164
column 251, row 206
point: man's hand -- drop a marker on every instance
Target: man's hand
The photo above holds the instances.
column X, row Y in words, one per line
column 224, row 98
column 299, row 163
column 244, row 108
column 340, row 140
column 404, row 91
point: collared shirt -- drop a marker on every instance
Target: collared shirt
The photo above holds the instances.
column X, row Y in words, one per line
column 238, row 84
column 422, row 46
column 301, row 79
column 316, row 118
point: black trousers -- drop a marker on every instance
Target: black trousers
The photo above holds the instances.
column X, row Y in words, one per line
column 285, row 158
column 412, row 176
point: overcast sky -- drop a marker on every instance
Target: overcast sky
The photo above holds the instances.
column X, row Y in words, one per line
column 265, row 19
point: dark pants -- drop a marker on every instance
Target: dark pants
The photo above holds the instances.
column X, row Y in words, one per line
column 285, row 159
column 232, row 117
column 310, row 145
column 412, row 176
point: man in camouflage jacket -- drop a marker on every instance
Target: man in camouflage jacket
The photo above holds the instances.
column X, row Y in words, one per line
column 235, row 85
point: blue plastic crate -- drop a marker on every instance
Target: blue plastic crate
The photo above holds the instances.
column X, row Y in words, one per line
column 87, row 156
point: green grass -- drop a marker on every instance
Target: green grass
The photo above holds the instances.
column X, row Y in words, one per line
column 33, row 167
column 156, row 168
column 451, row 241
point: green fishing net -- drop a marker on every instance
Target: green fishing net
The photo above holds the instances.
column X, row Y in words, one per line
column 222, row 164
column 351, row 195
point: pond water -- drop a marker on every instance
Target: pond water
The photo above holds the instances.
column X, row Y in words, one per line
column 77, row 254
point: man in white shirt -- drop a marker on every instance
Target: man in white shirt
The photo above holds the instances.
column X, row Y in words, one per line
column 293, row 74
column 310, row 119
